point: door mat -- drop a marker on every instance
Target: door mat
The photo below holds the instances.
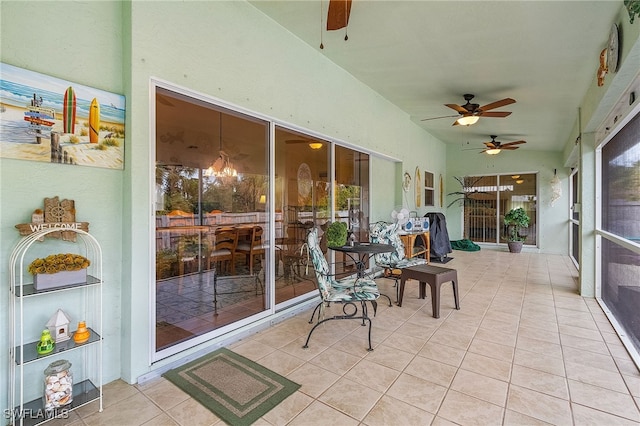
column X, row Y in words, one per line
column 234, row 388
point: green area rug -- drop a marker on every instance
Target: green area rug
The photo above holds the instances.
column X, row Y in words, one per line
column 234, row 388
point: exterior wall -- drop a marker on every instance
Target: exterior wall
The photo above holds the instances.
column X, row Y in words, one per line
column 90, row 53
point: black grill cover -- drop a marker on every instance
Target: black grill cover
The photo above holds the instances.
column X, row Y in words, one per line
column 440, row 243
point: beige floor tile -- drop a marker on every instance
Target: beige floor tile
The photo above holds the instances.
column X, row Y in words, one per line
column 538, row 405
column 288, row 409
column 588, row 416
column 433, row 371
column 494, row 336
column 351, row 398
column 335, row 361
column 501, row 326
column 313, row 380
column 589, row 359
column 481, row 387
column 296, row 349
column 450, row 337
column 549, row 336
column 537, row 380
column 390, row 357
column 583, row 333
column 191, row 412
column 595, row 376
column 487, row 366
column 161, row 420
column 252, row 349
column 405, row 343
column 281, row 362
column 372, row 375
column 418, row 392
column 390, row 411
column 584, row 344
column 539, row 346
column 633, row 384
column 513, row 418
column 467, row 410
column 627, row 366
column 318, row 410
column 492, row 350
column 616, row 403
column 442, row 353
column 165, row 394
column 135, row 410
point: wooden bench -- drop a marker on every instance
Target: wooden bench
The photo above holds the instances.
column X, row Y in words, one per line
column 435, row 276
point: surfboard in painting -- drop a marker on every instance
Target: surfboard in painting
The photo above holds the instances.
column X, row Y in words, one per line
column 94, row 121
column 69, row 111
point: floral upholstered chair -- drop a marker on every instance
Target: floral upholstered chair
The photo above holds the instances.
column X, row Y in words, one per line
column 391, row 263
column 349, row 291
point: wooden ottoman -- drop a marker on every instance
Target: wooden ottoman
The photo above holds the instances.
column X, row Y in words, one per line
column 435, row 276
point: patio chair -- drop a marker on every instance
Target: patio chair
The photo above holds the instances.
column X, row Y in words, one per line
column 225, row 240
column 251, row 246
column 392, row 263
column 347, row 291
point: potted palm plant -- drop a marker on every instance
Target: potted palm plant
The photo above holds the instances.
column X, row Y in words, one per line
column 516, row 220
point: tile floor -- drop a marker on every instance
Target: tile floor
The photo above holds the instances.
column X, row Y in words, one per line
column 524, row 349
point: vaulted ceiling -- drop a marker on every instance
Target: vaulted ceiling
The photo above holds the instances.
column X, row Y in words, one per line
column 421, row 55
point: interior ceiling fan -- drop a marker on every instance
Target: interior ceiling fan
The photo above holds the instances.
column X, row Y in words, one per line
column 470, row 113
column 494, row 147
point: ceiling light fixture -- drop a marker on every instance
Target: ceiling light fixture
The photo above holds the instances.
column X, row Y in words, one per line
column 468, row 120
column 515, row 176
column 222, row 166
column 519, row 181
column 493, row 151
column 315, row 145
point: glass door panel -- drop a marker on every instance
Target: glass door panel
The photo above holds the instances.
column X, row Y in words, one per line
column 351, row 200
column 302, row 194
column 480, row 209
column 212, row 226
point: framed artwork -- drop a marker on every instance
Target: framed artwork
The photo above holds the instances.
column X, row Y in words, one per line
column 52, row 120
column 428, row 189
column 418, row 188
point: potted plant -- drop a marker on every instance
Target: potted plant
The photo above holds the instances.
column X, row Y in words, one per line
column 58, row 270
column 337, row 234
column 516, row 220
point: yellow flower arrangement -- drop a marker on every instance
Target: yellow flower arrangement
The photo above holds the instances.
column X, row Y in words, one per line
column 58, row 263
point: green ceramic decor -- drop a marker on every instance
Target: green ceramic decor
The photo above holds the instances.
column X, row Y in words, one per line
column 46, row 343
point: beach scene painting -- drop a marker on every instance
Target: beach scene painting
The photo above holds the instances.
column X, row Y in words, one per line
column 47, row 119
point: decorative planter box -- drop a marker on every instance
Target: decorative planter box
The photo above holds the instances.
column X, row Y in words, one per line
column 59, row 279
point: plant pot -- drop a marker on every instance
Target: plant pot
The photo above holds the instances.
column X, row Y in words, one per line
column 59, row 279
column 515, row 246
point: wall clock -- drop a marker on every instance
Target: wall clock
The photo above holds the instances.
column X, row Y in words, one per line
column 613, row 48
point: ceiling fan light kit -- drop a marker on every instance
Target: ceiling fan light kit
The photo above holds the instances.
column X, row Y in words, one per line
column 468, row 120
column 315, row 145
column 493, row 151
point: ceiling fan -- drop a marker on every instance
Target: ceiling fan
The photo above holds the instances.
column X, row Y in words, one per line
column 494, row 147
column 469, row 113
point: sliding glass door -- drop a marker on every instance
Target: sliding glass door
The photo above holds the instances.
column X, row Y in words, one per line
column 229, row 232
column 487, row 199
column 212, row 228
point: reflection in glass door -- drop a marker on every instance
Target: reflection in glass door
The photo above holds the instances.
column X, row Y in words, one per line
column 487, row 199
column 351, row 200
column 302, row 194
column 212, row 226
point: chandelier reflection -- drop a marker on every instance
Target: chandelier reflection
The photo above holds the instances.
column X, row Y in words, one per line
column 221, row 168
